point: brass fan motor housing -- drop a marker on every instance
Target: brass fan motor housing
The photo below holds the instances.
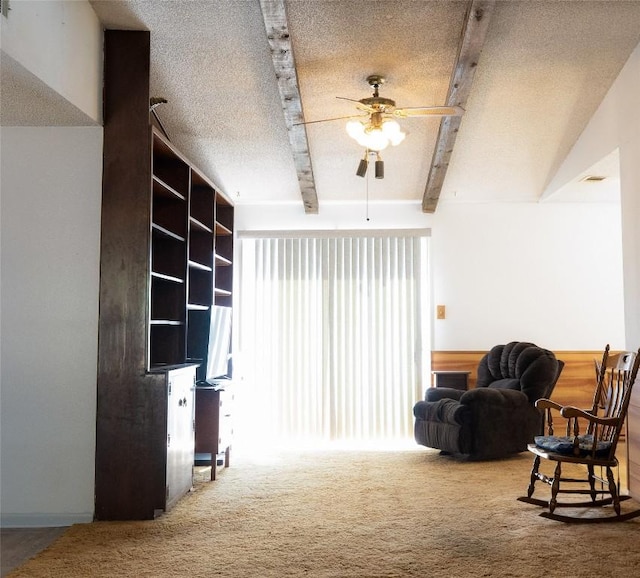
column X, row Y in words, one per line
column 379, row 104
column 376, row 102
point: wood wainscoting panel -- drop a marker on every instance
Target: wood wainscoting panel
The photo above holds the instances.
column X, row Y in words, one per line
column 457, row 361
column 577, row 382
column 633, row 443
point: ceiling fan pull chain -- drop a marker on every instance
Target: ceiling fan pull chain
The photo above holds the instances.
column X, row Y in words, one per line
column 367, row 199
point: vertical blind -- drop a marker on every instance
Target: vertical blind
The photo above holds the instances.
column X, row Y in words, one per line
column 333, row 336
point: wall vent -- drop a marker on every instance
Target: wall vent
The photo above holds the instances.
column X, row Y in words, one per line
column 592, row 179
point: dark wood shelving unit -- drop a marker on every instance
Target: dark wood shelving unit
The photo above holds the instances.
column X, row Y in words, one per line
column 214, row 402
column 224, row 251
column 160, row 277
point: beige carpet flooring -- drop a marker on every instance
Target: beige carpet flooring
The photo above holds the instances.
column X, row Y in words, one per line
column 349, row 514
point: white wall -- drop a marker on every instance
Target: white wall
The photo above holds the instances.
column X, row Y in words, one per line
column 50, row 240
column 616, row 124
column 550, row 273
column 546, row 273
column 630, row 201
column 332, row 216
column 626, row 91
column 60, row 42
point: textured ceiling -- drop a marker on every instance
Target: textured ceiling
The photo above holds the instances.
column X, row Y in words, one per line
column 28, row 101
column 545, row 68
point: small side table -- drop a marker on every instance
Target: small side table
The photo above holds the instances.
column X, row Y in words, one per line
column 453, row 379
column 214, row 427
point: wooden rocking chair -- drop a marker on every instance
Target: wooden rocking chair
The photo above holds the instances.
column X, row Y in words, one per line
column 616, row 375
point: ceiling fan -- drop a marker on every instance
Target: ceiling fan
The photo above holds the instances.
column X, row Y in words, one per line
column 377, row 128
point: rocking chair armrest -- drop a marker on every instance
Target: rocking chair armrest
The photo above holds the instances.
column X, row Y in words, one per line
column 544, row 403
column 573, row 412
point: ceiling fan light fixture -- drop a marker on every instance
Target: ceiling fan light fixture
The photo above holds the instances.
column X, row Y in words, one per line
column 379, row 166
column 390, row 127
column 378, row 130
column 367, row 135
column 362, row 165
column 375, row 139
column 393, row 132
column 397, row 139
column 375, row 136
column 355, row 129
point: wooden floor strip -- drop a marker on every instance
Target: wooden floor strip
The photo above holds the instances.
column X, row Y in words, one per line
column 17, row 545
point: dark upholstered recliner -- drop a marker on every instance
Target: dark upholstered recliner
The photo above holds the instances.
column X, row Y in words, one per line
column 496, row 418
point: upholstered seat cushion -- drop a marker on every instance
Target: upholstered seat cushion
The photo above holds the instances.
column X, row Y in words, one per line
column 565, row 444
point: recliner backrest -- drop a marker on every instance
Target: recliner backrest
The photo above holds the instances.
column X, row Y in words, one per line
column 519, row 365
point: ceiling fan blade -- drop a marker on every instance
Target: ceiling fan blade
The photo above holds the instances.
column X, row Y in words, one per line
column 429, row 111
column 347, row 98
column 365, row 108
column 359, row 105
column 329, row 119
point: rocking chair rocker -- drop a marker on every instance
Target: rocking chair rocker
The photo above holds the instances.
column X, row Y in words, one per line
column 616, row 375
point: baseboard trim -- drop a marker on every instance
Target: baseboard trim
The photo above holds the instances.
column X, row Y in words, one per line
column 44, row 520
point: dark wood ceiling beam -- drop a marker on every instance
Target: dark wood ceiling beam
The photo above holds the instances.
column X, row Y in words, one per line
column 277, row 28
column 474, row 32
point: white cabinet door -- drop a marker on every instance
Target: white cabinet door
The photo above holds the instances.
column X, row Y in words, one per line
column 180, row 432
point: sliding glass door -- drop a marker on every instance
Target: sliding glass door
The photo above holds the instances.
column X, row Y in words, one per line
column 333, row 340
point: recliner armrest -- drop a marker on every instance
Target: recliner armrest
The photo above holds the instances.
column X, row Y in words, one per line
column 495, row 397
column 438, row 393
column 445, row 411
